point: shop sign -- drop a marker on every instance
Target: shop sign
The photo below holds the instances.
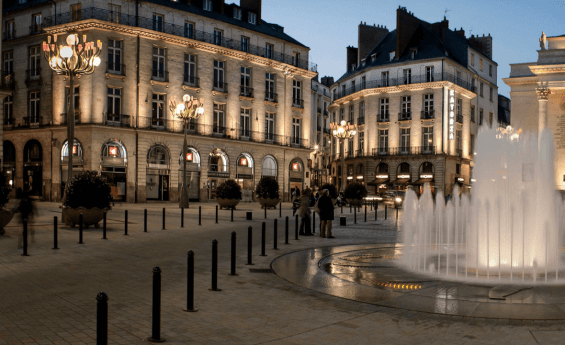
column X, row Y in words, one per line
column 460, row 179
column 295, row 166
column 74, row 149
column 426, row 176
column 382, row 176
column 189, row 156
column 451, row 114
column 113, row 151
column 243, row 162
column 404, row 176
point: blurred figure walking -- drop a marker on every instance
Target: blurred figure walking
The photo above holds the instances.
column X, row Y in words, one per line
column 26, row 209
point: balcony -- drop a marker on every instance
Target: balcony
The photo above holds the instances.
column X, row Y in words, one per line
column 427, row 114
column 404, row 116
column 8, row 122
column 116, row 68
column 298, row 142
column 245, row 91
column 219, row 131
column 118, row 120
column 160, row 75
column 245, row 134
column 33, row 75
column 9, row 35
column 271, row 97
column 32, row 121
column 191, row 81
column 158, row 123
column 383, row 117
column 359, row 153
column 459, row 152
column 35, row 29
column 360, row 121
column 298, row 103
column 63, row 118
column 404, row 150
column 220, row 86
column 459, row 118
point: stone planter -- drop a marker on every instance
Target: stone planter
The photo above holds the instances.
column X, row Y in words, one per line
column 89, row 216
column 268, row 203
column 355, row 202
column 227, row 203
column 5, row 218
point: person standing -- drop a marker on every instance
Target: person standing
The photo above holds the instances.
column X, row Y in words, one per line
column 326, row 214
column 304, row 213
column 26, row 209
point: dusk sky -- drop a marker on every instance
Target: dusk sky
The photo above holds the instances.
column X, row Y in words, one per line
column 329, row 26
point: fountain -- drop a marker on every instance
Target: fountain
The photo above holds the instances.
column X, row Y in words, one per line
column 508, row 229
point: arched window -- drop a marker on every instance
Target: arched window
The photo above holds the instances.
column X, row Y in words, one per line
column 427, row 168
column 382, row 169
column 114, row 153
column 296, row 165
column 269, row 166
column 219, row 161
column 360, row 169
column 158, row 157
column 192, row 156
column 33, row 151
column 403, row 169
column 9, row 152
column 77, row 150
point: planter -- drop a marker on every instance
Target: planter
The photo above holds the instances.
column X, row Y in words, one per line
column 5, row 218
column 227, row 203
column 268, row 203
column 89, row 216
column 355, row 202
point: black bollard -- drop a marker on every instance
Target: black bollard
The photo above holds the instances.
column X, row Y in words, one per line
column 263, row 239
column 25, row 238
column 286, row 230
column 55, row 232
column 355, row 215
column 275, row 234
column 126, row 223
column 280, row 209
column 386, row 211
column 265, row 211
column 199, row 215
column 372, row 202
column 397, row 213
column 313, row 222
column 104, row 226
column 190, row 282
column 80, row 229
column 232, row 267
column 341, row 208
column 164, row 219
column 231, row 215
column 102, row 319
column 216, row 214
column 365, row 213
column 182, row 217
column 156, row 312
column 249, row 246
column 376, row 209
column 214, row 266
column 296, row 227
column 145, row 220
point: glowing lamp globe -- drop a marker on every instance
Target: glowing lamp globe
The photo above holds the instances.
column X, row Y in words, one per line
column 96, row 61
column 343, row 123
column 200, row 110
column 186, row 98
column 66, row 52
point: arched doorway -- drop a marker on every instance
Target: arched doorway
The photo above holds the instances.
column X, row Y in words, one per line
column 381, row 179
column 10, row 161
column 33, row 168
column 425, row 175
column 269, row 166
column 114, row 160
column 244, row 174
column 78, row 163
column 157, row 174
column 403, row 176
column 218, row 170
column 192, row 173
column 296, row 175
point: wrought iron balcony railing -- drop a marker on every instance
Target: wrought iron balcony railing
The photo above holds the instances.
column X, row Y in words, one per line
column 427, row 114
column 191, row 81
column 271, row 97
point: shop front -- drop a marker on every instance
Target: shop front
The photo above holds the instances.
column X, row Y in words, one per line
column 33, row 168
column 296, row 175
column 269, row 166
column 10, row 162
column 425, row 177
column 244, row 174
column 192, row 173
column 360, row 174
column 158, row 173
column 78, row 162
column 381, row 181
column 403, row 177
column 113, row 165
column 218, row 171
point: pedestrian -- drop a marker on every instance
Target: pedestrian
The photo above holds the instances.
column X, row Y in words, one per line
column 26, row 209
column 304, row 213
column 326, row 214
column 297, row 192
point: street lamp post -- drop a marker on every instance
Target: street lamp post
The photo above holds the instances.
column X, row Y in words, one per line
column 74, row 59
column 187, row 110
column 342, row 131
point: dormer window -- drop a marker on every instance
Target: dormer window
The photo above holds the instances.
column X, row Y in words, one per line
column 413, row 53
column 252, row 18
column 353, row 67
column 373, row 57
column 391, row 55
column 237, row 13
column 363, row 62
column 207, row 5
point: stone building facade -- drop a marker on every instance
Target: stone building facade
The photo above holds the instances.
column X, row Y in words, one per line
column 320, row 131
column 252, row 76
column 418, row 97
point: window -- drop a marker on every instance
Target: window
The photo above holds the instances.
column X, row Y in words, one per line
column 34, row 62
column 480, row 116
column 10, row 30
column 481, row 64
column 76, row 95
column 34, row 107
column 246, row 82
column 252, row 18
column 413, row 53
column 391, row 55
column 458, row 74
column 218, row 74
column 363, row 83
column 490, row 118
column 481, row 89
column 114, row 106
column 295, row 58
column 244, row 44
column 159, row 55
column 459, row 108
column 8, row 58
column 351, row 111
column 158, row 110
column 350, row 151
column 458, row 142
column 427, row 139
column 490, row 93
column 429, row 74
column 190, row 69
column 269, row 50
column 335, row 94
column 158, row 21
column 8, row 110
column 473, row 113
column 207, row 5
column 76, row 13
column 245, row 122
column 429, row 105
column 270, row 87
column 361, row 142
column 343, row 90
column 406, row 107
column 269, row 126
column 114, row 13
column 114, row 56
column 362, row 110
column 472, row 143
column 384, row 109
column 219, row 121
column 188, row 30
column 218, row 37
column 373, row 57
column 237, row 13
column 353, row 86
column 296, row 92
column 384, row 79
column 404, row 140
column 35, row 23
column 342, row 115
column 407, row 76
column 458, row 169
column 472, row 59
column 296, row 130
column 490, row 70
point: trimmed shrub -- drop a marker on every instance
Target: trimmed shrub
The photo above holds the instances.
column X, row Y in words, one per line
column 5, row 189
column 228, row 190
column 355, row 190
column 331, row 188
column 267, row 188
column 88, row 190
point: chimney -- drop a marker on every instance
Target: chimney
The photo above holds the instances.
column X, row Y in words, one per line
column 484, row 44
column 253, row 6
column 327, row 81
column 218, row 6
column 406, row 25
column 352, row 53
column 368, row 38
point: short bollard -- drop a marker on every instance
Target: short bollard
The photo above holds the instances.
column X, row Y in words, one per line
column 199, row 215
column 296, row 227
column 231, row 215
column 190, row 282
column 216, row 214
column 80, row 229
column 25, row 238
column 249, row 246
column 342, row 220
column 275, row 235
column 341, row 208
column 397, row 213
column 232, row 263
column 145, row 220
column 126, row 222
column 249, row 215
column 164, row 219
column 365, row 213
column 104, row 226
column 214, row 266
column 372, row 202
column 280, row 209
column 286, row 230
column 386, row 212
column 265, row 211
column 156, row 311
column 102, row 319
column 55, row 233
column 263, row 230
column 355, row 215
column 182, row 217
column 313, row 222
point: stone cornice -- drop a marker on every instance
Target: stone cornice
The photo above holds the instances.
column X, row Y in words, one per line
column 90, row 24
column 547, row 69
column 520, row 80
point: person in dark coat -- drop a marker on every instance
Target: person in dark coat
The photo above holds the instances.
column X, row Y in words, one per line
column 304, row 212
column 26, row 209
column 326, row 214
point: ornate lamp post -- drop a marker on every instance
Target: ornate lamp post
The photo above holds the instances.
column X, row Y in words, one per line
column 341, row 131
column 187, row 110
column 73, row 59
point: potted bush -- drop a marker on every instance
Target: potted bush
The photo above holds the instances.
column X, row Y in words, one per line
column 89, row 194
column 267, row 192
column 228, row 194
column 333, row 191
column 5, row 214
column 354, row 193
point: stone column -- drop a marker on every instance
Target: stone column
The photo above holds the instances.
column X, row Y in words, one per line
column 543, row 95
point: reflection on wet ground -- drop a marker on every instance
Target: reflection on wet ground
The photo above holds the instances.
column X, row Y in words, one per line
column 370, row 274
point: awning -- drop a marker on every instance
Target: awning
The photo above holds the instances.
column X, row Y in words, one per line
column 378, row 181
column 423, row 180
column 400, row 181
